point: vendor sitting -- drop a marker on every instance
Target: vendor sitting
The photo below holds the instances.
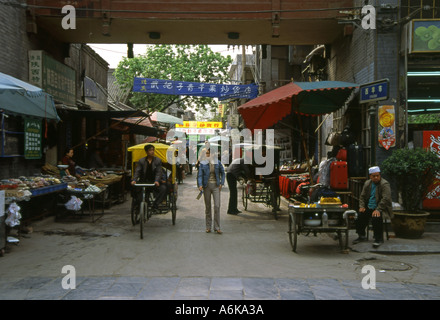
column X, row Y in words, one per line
column 68, row 160
column 149, row 170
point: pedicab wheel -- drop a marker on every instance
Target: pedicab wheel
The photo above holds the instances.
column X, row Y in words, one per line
column 134, row 213
column 143, row 211
column 293, row 231
column 173, row 208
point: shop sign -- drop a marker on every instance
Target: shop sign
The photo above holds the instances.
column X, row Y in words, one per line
column 184, row 88
column 52, row 76
column 425, row 35
column 196, row 131
column 32, row 138
column 374, row 91
column 431, row 142
column 387, row 127
column 221, row 109
column 201, row 124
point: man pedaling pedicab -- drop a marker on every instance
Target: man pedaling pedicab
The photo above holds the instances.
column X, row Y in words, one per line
column 149, row 171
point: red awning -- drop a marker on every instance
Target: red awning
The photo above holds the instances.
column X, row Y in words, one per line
column 309, row 98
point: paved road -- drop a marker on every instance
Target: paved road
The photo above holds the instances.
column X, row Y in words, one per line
column 252, row 259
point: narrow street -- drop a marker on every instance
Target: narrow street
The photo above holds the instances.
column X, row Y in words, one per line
column 252, row 259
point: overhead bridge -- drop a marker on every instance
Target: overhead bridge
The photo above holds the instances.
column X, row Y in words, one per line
column 235, row 22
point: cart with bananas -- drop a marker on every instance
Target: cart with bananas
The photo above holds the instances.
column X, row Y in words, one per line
column 329, row 215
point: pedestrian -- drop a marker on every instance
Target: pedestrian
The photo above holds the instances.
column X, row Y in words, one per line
column 237, row 170
column 149, row 170
column 374, row 203
column 210, row 180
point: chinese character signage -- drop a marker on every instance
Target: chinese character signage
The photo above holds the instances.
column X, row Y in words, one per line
column 52, row 76
column 183, row 88
column 32, row 138
column 200, row 124
column 374, row 91
column 221, row 109
column 425, row 36
column 195, row 131
column 387, row 127
column 431, row 142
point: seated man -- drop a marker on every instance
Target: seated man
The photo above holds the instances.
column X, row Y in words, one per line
column 149, row 170
column 374, row 202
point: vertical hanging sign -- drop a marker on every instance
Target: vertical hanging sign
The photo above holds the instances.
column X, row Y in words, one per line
column 32, row 139
column 387, row 127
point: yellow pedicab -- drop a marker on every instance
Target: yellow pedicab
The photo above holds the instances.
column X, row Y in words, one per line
column 163, row 152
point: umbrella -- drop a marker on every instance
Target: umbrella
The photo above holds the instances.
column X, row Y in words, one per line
column 306, row 98
column 218, row 138
column 165, row 118
column 19, row 97
column 210, row 144
column 303, row 98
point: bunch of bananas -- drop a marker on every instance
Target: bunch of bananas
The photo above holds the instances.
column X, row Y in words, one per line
column 330, row 200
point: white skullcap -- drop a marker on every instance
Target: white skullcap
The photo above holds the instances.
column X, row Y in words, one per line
column 373, row 170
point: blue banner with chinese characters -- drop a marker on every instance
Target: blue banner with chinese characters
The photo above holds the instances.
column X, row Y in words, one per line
column 184, row 88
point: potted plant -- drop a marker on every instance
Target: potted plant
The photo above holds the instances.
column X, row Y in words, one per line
column 413, row 171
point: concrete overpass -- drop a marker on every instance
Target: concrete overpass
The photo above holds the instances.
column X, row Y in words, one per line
column 234, row 22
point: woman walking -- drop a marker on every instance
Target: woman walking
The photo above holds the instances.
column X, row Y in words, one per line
column 210, row 179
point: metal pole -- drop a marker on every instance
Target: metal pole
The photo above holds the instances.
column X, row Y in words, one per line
column 373, row 135
column 406, row 95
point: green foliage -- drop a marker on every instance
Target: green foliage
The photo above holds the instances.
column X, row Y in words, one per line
column 178, row 62
column 414, row 171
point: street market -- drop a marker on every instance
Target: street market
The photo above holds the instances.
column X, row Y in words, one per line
column 278, row 154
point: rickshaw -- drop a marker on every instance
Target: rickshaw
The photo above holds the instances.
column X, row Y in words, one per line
column 262, row 190
column 144, row 212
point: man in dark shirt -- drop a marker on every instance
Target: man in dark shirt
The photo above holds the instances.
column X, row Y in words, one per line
column 149, row 170
column 236, row 170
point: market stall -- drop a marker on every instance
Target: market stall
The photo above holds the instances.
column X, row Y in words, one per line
column 27, row 198
column 298, row 99
column 113, row 180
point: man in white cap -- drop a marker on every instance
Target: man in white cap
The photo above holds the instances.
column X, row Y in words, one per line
column 375, row 202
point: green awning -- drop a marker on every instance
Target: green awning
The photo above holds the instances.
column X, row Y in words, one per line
column 21, row 98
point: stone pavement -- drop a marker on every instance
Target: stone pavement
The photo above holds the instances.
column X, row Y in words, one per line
column 256, row 262
column 209, row 288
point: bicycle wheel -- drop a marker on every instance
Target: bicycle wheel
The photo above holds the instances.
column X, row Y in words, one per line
column 293, row 231
column 134, row 212
column 143, row 217
column 173, row 206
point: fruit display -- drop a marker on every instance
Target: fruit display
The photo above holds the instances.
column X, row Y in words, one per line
column 330, row 200
column 27, row 183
